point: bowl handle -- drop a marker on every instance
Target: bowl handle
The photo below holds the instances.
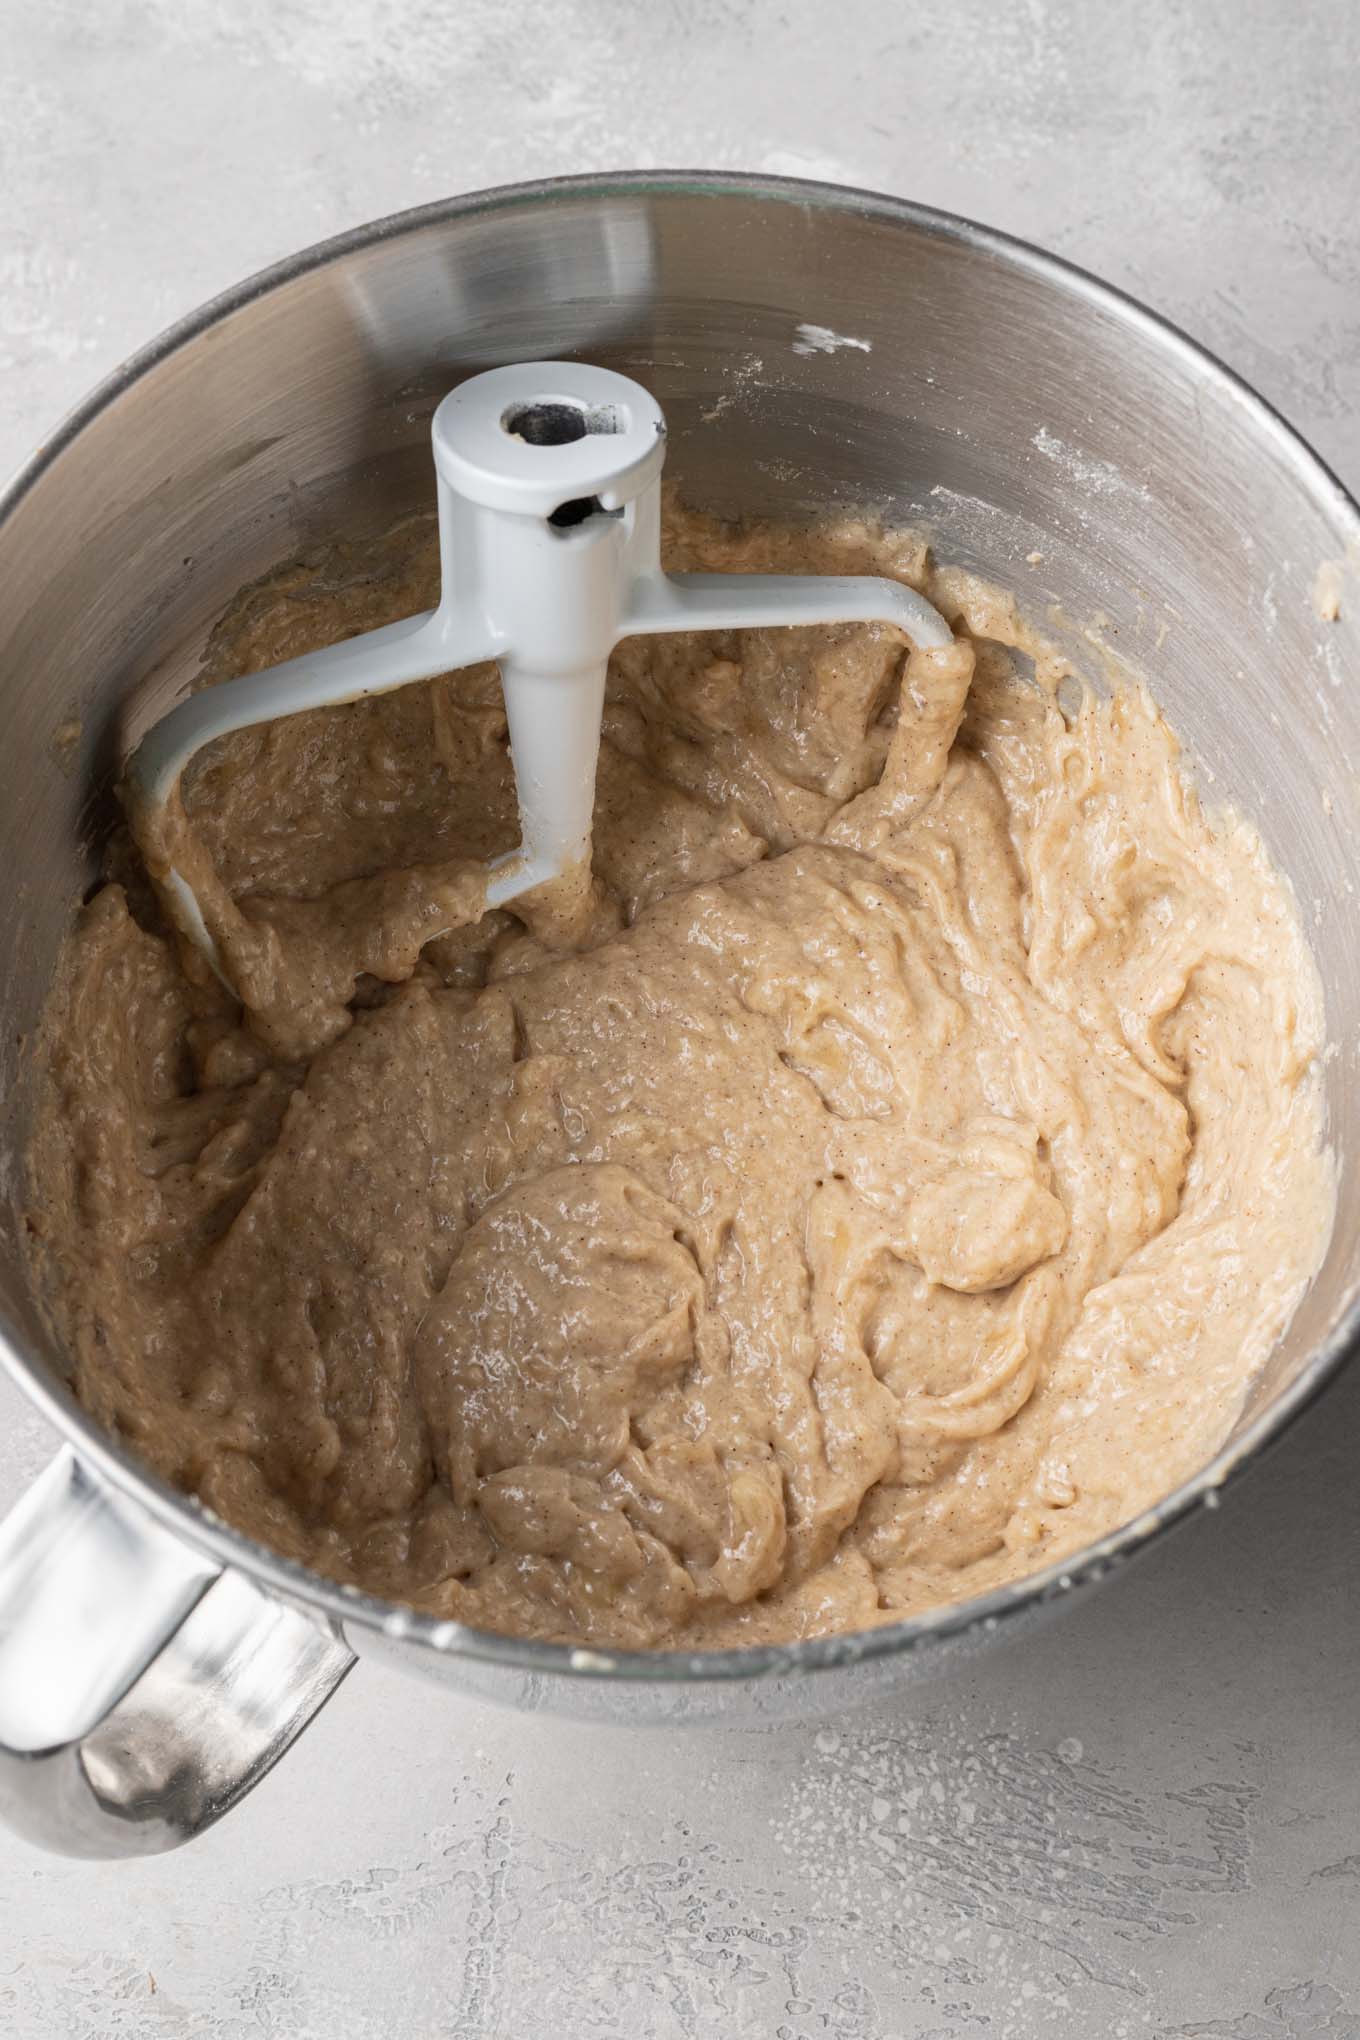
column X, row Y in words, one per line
column 143, row 1690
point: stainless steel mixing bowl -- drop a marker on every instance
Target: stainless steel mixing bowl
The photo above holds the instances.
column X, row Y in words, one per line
column 811, row 347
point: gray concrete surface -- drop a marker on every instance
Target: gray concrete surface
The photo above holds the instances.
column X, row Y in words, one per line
column 1147, row 1820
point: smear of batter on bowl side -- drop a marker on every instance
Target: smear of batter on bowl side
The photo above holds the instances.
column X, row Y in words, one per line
column 896, row 1189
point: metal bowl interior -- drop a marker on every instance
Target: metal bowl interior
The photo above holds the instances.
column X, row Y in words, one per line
column 813, row 348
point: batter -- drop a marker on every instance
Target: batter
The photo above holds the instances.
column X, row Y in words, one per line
column 892, row 1185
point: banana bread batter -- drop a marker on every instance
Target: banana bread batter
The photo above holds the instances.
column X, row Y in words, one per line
column 894, row 1187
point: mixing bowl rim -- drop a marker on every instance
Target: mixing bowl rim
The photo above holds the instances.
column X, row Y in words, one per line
column 188, row 1517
